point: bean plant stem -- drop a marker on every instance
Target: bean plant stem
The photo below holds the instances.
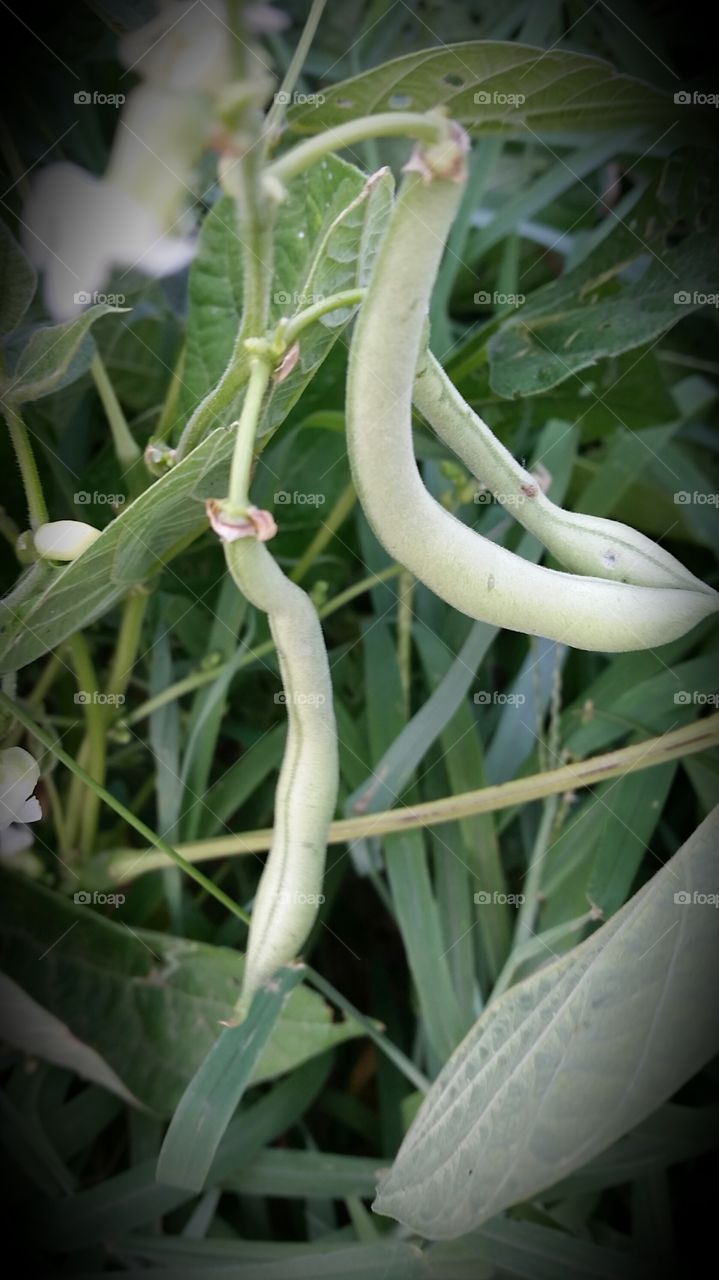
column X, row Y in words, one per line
column 276, row 112
column 127, row 450
column 241, row 468
column 391, row 124
column 20, row 437
column 333, row 302
column 526, row 915
column 82, row 809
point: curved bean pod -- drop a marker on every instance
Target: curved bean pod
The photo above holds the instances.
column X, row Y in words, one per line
column 287, row 899
column 584, row 544
column 472, row 574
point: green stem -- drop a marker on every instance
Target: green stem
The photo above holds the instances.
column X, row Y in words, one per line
column 325, row 533
column 119, row 808
column 276, row 113
column 390, row 1050
column 199, row 678
column 391, row 124
column 405, row 618
column 82, row 809
column 238, row 496
column 526, row 915
column 334, row 302
column 127, row 450
column 699, row 736
column 128, row 642
column 255, row 226
column 37, row 509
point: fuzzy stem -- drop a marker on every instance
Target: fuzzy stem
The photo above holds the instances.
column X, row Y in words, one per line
column 127, row 450
column 276, row 112
column 241, row 469
column 394, row 124
column 19, row 435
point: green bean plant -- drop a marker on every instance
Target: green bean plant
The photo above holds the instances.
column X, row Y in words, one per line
column 262, row 292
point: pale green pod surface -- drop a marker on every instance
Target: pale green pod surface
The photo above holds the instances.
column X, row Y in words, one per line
column 475, row 576
column 290, row 888
column 584, row 544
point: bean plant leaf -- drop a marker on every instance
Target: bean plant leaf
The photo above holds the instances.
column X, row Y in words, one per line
column 55, row 356
column 17, row 281
column 325, row 238
column 326, row 243
column 148, row 1004
column 566, row 1062
column 629, row 290
column 493, row 86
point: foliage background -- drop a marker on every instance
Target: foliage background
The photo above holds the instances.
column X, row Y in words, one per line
column 623, row 416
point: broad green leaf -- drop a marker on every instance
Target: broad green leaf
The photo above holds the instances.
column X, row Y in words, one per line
column 130, row 549
column 564, row 1063
column 325, row 239
column 17, row 281
column 55, row 355
column 493, row 87
column 214, row 1092
column 150, row 1005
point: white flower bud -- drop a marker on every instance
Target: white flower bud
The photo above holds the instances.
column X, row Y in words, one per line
column 64, row 539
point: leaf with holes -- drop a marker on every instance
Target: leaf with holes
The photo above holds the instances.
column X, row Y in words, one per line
column 492, row 86
column 149, row 1005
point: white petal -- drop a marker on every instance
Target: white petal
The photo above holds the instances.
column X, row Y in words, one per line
column 19, row 773
column 186, row 47
column 15, row 839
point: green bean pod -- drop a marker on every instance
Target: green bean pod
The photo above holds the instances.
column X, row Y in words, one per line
column 582, row 543
column 474, row 575
column 289, row 893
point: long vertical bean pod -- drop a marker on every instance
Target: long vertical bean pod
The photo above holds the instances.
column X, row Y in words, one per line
column 289, row 893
